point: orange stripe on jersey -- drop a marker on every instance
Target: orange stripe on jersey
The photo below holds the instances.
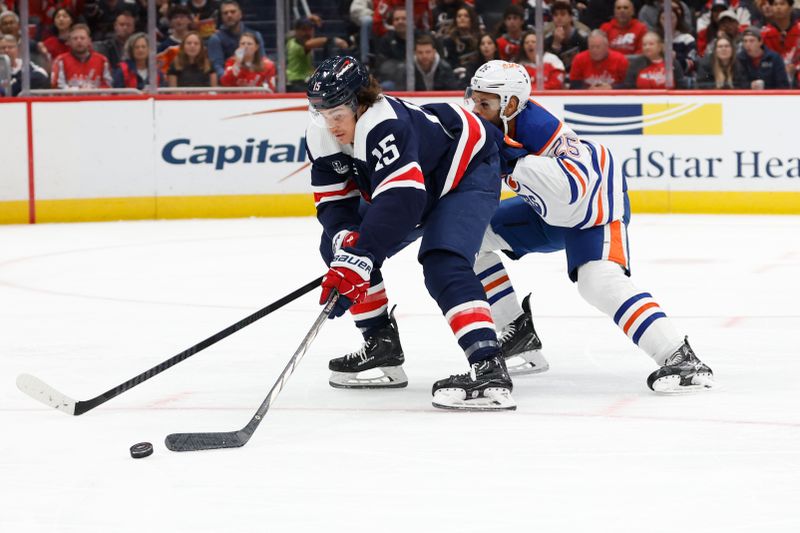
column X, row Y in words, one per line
column 616, row 251
column 550, row 140
column 577, row 174
column 495, row 283
column 599, row 218
column 602, row 157
column 511, row 142
column 637, row 314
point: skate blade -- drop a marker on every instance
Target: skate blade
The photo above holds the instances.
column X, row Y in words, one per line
column 527, row 363
column 493, row 399
column 385, row 377
column 672, row 384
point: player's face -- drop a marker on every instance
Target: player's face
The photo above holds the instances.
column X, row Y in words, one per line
column 485, row 105
column 340, row 121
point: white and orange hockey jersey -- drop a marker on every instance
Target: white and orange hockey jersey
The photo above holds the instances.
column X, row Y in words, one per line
column 569, row 182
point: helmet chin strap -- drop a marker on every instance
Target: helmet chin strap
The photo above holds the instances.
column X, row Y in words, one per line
column 507, row 119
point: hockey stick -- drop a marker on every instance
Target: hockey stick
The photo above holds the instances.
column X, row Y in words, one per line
column 188, row 442
column 41, row 391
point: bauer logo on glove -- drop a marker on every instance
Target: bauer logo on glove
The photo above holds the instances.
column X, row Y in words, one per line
column 349, row 275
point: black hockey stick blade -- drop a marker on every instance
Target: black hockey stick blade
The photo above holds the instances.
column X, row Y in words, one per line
column 190, row 442
column 44, row 393
column 186, row 442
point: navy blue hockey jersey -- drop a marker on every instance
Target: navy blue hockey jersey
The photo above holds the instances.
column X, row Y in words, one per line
column 403, row 159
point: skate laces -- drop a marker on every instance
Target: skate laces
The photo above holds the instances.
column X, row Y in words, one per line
column 507, row 333
column 361, row 353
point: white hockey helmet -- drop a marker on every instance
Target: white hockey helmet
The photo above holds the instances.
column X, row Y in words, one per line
column 505, row 80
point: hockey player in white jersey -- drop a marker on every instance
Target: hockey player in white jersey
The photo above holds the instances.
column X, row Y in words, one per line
column 571, row 195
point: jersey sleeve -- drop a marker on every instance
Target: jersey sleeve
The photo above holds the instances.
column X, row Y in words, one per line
column 398, row 189
column 336, row 194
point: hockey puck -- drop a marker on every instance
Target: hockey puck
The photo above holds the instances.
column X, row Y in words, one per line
column 142, row 449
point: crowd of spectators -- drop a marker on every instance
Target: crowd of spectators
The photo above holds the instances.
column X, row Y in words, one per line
column 593, row 44
column 587, row 44
column 103, row 44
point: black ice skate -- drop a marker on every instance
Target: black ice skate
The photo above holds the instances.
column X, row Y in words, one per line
column 377, row 364
column 682, row 372
column 521, row 346
column 486, row 387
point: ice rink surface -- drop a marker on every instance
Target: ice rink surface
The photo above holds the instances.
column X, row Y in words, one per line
column 590, row 448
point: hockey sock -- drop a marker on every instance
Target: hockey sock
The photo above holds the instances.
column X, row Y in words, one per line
column 497, row 286
column 604, row 285
column 455, row 287
column 372, row 313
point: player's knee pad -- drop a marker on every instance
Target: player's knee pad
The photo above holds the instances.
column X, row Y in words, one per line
column 598, row 280
column 446, row 271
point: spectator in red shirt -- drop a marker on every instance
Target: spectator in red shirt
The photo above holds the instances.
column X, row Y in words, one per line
column 648, row 71
column 131, row 73
column 248, row 67
column 81, row 67
column 553, row 70
column 599, row 67
column 192, row 67
column 56, row 44
column 782, row 34
column 509, row 43
column 624, row 31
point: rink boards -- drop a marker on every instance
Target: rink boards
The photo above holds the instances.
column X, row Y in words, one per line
column 83, row 159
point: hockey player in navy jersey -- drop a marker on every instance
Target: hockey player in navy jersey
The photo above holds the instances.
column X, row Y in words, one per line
column 425, row 171
column 571, row 195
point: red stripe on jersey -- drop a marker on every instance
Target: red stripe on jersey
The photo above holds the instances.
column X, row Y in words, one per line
column 349, row 186
column 473, row 136
column 469, row 316
column 412, row 174
column 366, row 307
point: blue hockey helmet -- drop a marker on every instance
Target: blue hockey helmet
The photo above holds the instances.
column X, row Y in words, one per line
column 335, row 82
